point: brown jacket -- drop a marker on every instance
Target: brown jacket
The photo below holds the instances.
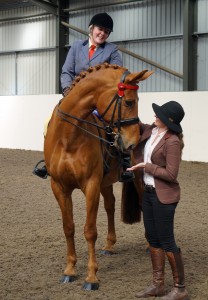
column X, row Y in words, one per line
column 165, row 159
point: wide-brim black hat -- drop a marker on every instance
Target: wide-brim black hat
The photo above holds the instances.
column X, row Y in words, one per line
column 171, row 114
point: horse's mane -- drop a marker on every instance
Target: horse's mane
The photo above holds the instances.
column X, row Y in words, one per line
column 83, row 74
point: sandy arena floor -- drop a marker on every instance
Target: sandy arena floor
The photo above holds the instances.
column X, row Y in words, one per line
column 33, row 248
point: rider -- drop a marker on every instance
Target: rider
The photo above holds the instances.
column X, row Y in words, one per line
column 80, row 59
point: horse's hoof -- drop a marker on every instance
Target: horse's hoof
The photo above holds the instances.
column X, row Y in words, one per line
column 107, row 252
column 88, row 286
column 67, row 278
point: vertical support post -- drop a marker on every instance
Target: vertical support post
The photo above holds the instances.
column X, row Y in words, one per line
column 189, row 45
column 61, row 37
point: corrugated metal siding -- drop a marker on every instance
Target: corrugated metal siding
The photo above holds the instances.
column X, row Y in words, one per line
column 139, row 21
column 152, row 29
column 202, row 46
column 33, row 70
column 7, row 74
column 165, row 53
column 36, row 73
column 28, row 34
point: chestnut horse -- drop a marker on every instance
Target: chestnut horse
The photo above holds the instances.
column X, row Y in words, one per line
column 79, row 145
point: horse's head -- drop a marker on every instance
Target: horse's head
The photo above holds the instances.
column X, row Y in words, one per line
column 118, row 106
column 112, row 90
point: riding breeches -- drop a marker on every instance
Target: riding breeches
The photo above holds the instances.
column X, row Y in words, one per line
column 159, row 222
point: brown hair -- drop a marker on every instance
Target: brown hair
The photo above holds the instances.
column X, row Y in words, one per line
column 180, row 136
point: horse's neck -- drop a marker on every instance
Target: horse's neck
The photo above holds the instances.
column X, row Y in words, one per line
column 79, row 103
column 83, row 97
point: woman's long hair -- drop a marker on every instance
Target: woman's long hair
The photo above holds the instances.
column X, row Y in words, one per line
column 180, row 136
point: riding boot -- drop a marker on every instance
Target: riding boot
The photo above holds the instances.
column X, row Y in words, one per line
column 40, row 172
column 179, row 291
column 126, row 176
column 156, row 288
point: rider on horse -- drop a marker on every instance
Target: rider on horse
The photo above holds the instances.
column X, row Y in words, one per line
column 80, row 59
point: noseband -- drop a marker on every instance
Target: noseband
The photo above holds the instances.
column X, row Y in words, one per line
column 108, row 127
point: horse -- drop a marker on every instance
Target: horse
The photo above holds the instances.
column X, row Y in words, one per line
column 81, row 151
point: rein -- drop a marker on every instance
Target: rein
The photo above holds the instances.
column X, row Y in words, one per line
column 112, row 124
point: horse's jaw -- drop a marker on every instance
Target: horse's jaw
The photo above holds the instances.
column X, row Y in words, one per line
column 129, row 142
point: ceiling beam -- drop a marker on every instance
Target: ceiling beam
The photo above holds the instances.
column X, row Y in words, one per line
column 115, row 2
column 48, row 6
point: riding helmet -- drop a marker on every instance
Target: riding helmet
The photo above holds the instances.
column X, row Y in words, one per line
column 102, row 20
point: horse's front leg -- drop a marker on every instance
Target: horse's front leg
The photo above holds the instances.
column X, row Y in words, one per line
column 109, row 204
column 65, row 203
column 90, row 231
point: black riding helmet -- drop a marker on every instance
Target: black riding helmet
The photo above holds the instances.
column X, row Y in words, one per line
column 102, row 20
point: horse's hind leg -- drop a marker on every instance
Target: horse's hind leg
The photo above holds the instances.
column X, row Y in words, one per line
column 65, row 203
column 109, row 204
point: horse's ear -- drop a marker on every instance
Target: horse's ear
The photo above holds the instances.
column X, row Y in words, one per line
column 136, row 77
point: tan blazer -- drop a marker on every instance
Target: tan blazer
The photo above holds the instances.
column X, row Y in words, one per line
column 165, row 158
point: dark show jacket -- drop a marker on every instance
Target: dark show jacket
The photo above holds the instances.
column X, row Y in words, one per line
column 166, row 157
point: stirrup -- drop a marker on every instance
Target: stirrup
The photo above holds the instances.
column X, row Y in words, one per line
column 40, row 172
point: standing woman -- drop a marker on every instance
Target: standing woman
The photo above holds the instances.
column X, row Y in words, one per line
column 158, row 156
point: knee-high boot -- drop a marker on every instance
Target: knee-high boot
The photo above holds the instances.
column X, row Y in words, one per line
column 156, row 288
column 179, row 291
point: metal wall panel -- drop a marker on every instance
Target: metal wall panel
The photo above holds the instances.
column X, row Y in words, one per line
column 7, row 74
column 202, row 66
column 36, row 73
column 165, row 53
column 152, row 29
column 27, row 52
column 202, row 46
column 28, row 34
column 202, row 25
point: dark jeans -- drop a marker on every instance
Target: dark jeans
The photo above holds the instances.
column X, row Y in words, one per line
column 159, row 222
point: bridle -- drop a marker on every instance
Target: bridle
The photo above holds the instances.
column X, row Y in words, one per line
column 107, row 127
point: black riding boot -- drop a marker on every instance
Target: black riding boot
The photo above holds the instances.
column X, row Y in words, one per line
column 126, row 163
column 40, row 172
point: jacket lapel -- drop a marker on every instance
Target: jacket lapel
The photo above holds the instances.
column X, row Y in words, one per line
column 161, row 142
column 147, row 133
column 85, row 49
column 98, row 52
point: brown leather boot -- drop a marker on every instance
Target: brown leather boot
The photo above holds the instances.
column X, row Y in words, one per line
column 156, row 288
column 178, row 292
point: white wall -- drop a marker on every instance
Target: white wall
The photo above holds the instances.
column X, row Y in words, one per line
column 22, row 119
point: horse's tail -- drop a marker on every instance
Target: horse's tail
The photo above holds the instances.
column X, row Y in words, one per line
column 130, row 204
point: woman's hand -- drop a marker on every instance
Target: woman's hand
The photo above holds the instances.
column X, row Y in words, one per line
column 138, row 166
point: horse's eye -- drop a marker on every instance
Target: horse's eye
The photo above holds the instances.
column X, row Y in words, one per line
column 129, row 103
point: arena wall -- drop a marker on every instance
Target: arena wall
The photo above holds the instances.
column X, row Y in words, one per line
column 22, row 120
